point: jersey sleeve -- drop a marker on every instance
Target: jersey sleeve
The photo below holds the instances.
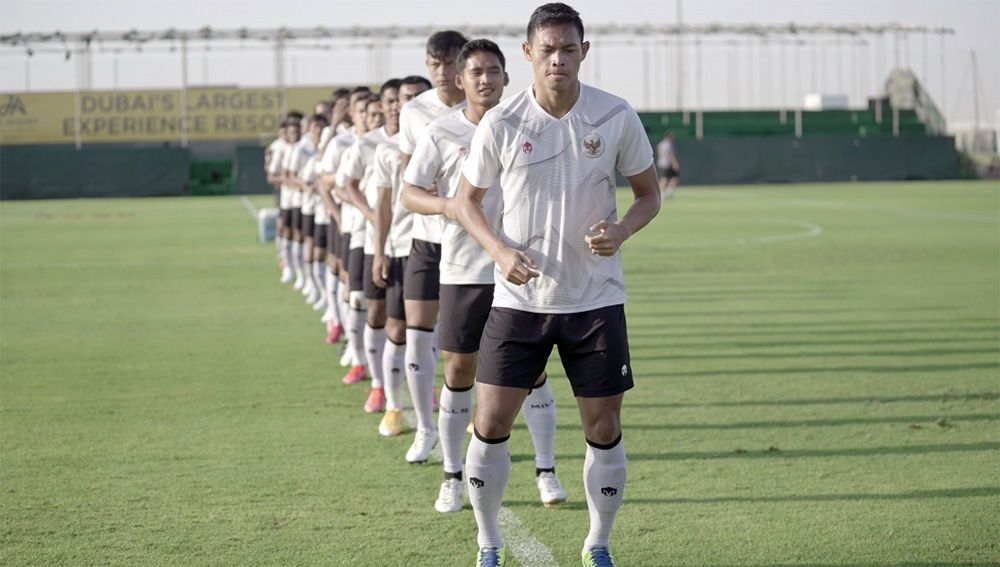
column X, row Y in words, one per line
column 276, row 163
column 635, row 153
column 354, row 163
column 407, row 143
column 425, row 163
column 382, row 174
column 482, row 166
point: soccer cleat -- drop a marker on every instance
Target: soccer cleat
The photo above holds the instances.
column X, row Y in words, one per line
column 355, row 374
column 333, row 332
column 391, row 424
column 311, row 297
column 299, row 281
column 319, row 304
column 376, row 400
column 423, row 443
column 598, row 556
column 450, row 496
column 492, row 557
column 550, row 489
column 286, row 275
column 327, row 315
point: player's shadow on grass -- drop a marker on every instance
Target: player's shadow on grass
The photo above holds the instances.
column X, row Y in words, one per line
column 975, row 492
column 912, row 420
column 967, row 397
column 776, row 453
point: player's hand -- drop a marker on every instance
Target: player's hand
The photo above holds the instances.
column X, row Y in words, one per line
column 380, row 270
column 517, row 267
column 606, row 238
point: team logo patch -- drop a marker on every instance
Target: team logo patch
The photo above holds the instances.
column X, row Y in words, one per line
column 609, row 491
column 593, row 145
column 527, row 147
column 624, row 369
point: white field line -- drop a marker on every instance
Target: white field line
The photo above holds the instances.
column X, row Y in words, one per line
column 807, row 230
column 248, row 205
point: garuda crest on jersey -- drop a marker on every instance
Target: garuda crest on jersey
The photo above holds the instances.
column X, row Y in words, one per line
column 593, row 145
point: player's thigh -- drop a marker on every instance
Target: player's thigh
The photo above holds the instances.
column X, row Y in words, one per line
column 593, row 347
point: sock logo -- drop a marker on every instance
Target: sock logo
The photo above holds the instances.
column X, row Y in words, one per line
column 371, row 351
column 395, row 370
column 414, row 367
column 476, row 483
column 609, row 491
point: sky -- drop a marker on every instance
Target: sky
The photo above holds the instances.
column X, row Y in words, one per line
column 733, row 72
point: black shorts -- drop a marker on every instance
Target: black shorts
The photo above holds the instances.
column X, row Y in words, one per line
column 464, row 310
column 394, row 306
column 356, row 269
column 320, row 234
column 308, row 225
column 423, row 271
column 593, row 347
column 372, row 291
column 286, row 218
column 297, row 219
column 345, row 248
column 669, row 173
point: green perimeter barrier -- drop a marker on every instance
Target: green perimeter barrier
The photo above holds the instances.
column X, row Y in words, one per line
column 248, row 170
column 57, row 172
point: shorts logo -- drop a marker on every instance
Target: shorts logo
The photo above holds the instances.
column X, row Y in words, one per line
column 593, row 145
column 609, row 491
column 476, row 483
column 463, row 151
column 624, row 369
column 527, row 147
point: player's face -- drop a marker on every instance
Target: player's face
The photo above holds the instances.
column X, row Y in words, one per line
column 556, row 52
column 442, row 72
column 293, row 134
column 373, row 115
column 482, row 79
column 410, row 92
column 390, row 106
column 323, row 109
column 358, row 114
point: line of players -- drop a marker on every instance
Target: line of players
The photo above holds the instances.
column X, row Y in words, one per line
column 361, row 186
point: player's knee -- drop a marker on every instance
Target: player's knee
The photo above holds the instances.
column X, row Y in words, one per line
column 459, row 370
column 603, row 429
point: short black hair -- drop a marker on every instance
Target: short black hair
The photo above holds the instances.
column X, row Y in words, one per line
column 389, row 85
column 372, row 98
column 554, row 14
column 444, row 44
column 291, row 123
column 294, row 115
column 477, row 45
column 319, row 119
column 416, row 80
column 361, row 89
column 338, row 94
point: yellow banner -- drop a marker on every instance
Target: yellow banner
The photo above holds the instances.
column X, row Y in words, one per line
column 150, row 116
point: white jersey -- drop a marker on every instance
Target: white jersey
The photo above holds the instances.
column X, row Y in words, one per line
column 294, row 162
column 352, row 221
column 279, row 151
column 664, row 154
column 361, row 166
column 389, row 174
column 312, row 204
column 557, row 179
column 413, row 120
column 439, row 156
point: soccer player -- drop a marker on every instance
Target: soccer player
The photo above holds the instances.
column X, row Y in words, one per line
column 368, row 117
column 360, row 187
column 276, row 175
column 420, row 284
column 467, row 276
column 392, row 236
column 555, row 147
column 300, row 161
column 273, row 156
column 670, row 168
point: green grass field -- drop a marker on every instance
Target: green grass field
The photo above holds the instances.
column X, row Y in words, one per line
column 818, row 383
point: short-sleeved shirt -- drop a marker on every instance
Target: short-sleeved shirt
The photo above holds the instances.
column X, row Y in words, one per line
column 313, row 204
column 352, row 221
column 413, row 120
column 279, row 151
column 664, row 154
column 361, row 166
column 295, row 161
column 557, row 179
column 439, row 156
column 388, row 176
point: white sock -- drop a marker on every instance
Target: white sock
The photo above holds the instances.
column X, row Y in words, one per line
column 487, row 466
column 604, row 482
column 329, row 287
column 289, row 253
column 539, row 410
column 392, row 373
column 454, row 411
column 356, row 333
column 420, row 370
column 374, row 346
column 297, row 257
column 338, row 304
column 319, row 275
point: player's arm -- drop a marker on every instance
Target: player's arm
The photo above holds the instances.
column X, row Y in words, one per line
column 354, row 196
column 466, row 207
column 646, row 204
column 383, row 221
column 422, row 200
